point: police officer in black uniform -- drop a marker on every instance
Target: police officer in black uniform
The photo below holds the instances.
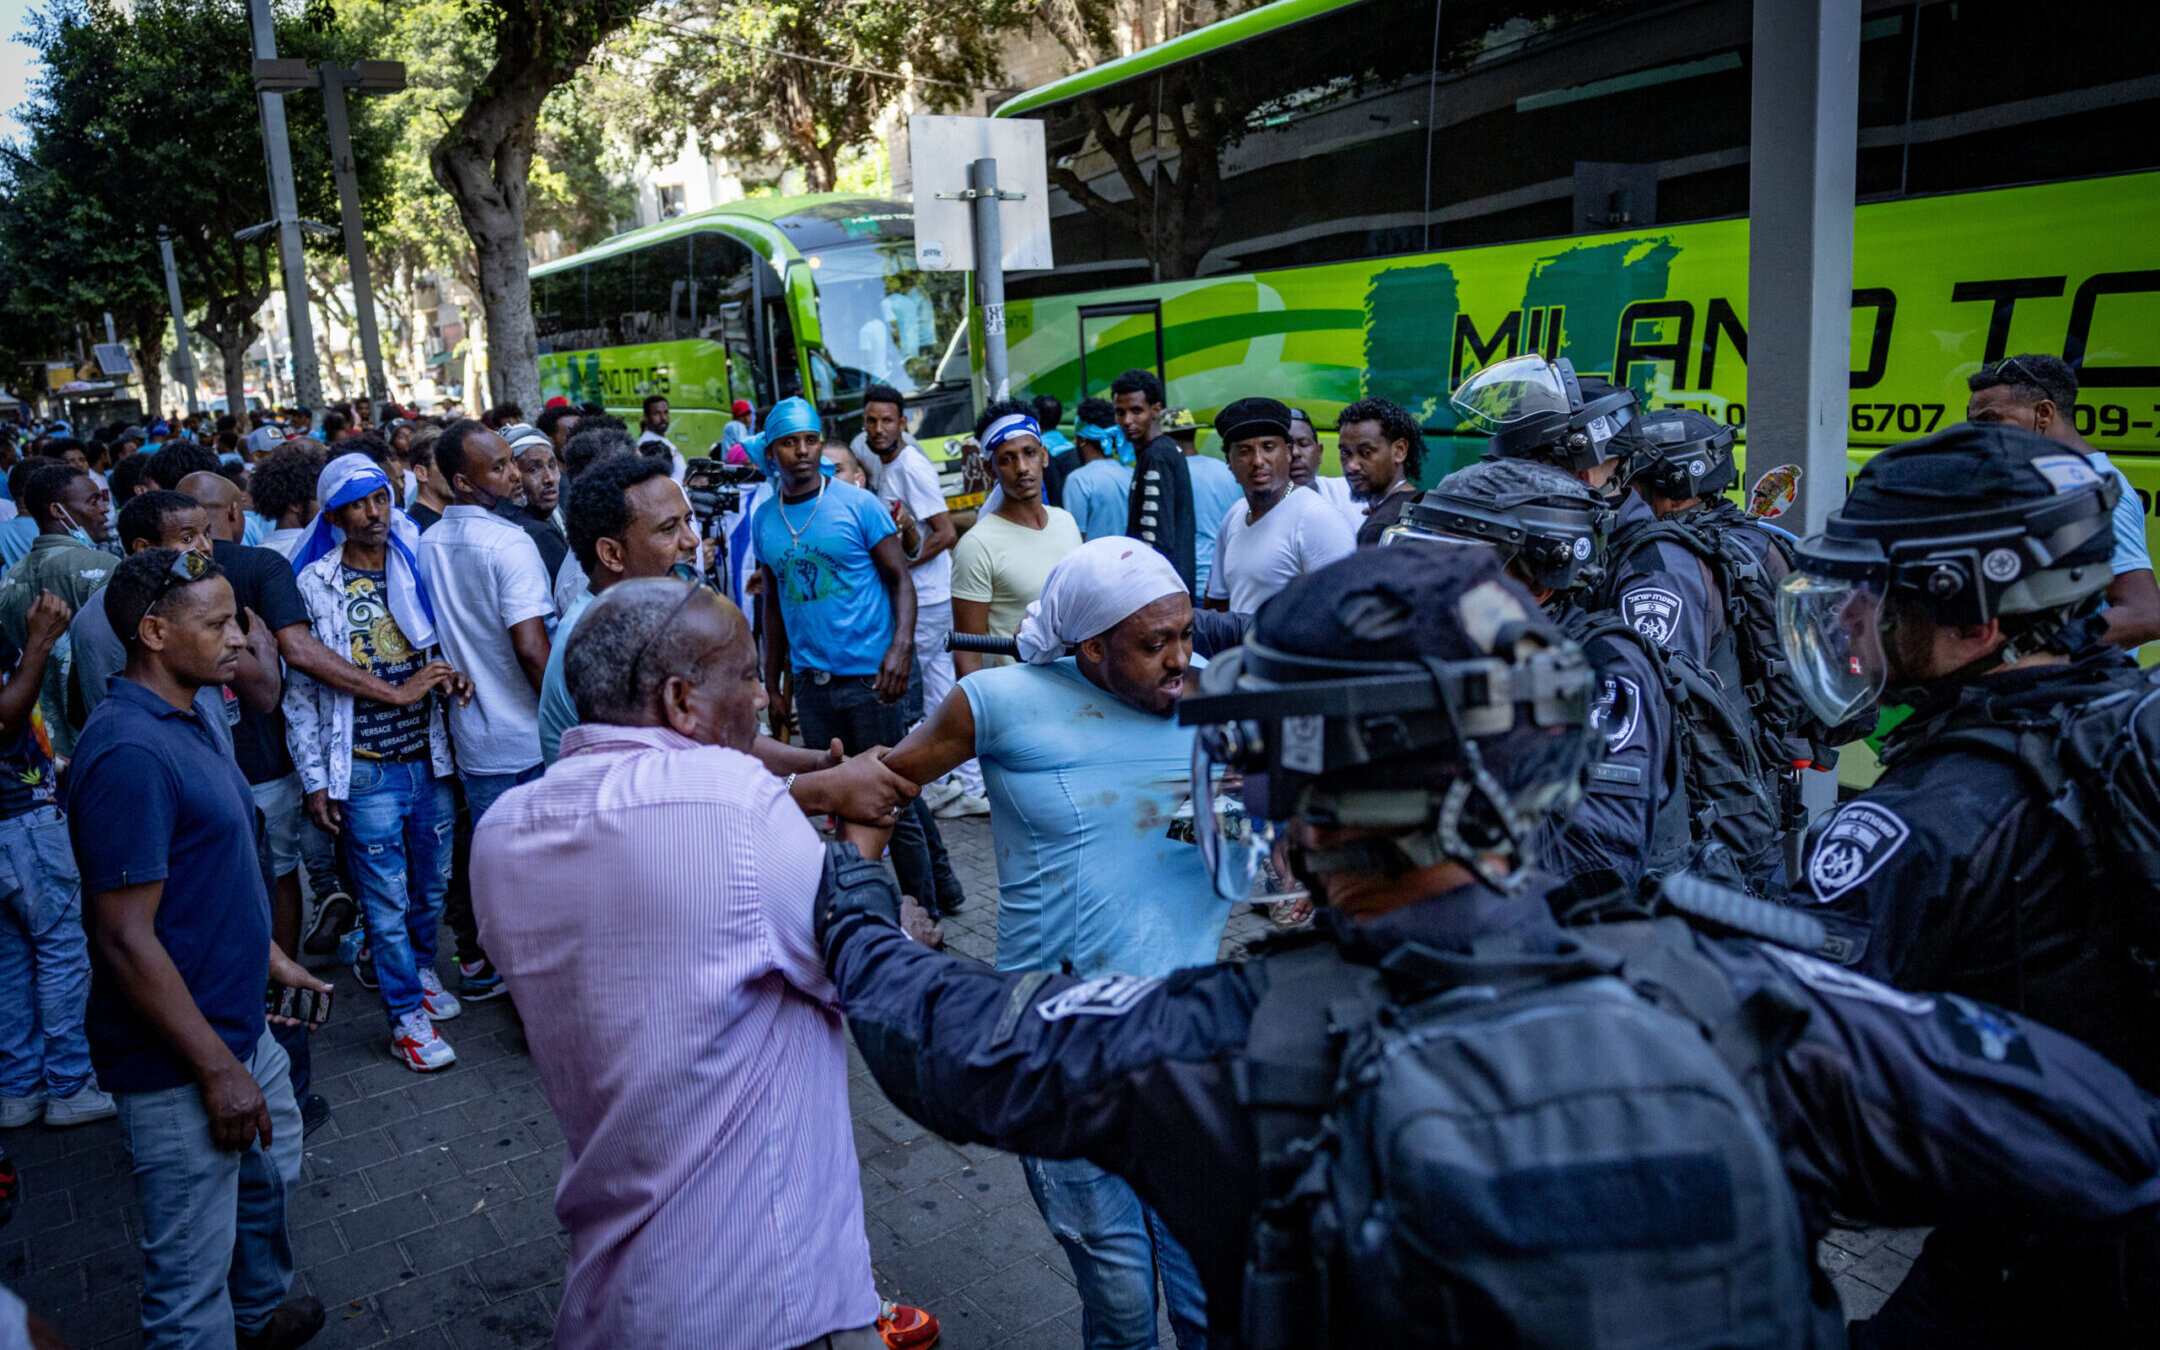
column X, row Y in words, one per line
column 1409, row 716
column 1961, row 577
column 1549, row 529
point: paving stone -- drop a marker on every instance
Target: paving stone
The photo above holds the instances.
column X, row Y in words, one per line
column 445, row 1296
column 450, row 1244
column 413, row 1171
column 380, row 1223
column 517, row 1269
column 367, row 1271
column 524, row 1219
column 348, row 1154
column 316, row 1243
column 415, row 1132
column 516, row 1323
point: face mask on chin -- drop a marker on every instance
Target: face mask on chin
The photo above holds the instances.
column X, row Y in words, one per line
column 77, row 533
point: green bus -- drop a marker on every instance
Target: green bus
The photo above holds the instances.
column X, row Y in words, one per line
column 759, row 300
column 1322, row 200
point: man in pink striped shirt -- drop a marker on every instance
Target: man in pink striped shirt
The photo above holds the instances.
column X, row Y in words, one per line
column 649, row 904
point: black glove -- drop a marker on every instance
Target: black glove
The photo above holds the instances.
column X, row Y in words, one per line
column 852, row 884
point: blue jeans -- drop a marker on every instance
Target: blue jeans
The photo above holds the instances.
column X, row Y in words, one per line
column 44, row 959
column 481, row 789
column 216, row 1248
column 1117, row 1246
column 847, row 708
column 397, row 848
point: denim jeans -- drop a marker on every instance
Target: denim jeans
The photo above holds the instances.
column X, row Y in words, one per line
column 44, row 959
column 1117, row 1246
column 217, row 1252
column 397, row 849
column 476, row 793
column 847, row 708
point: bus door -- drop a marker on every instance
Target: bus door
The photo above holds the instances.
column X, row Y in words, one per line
column 1115, row 338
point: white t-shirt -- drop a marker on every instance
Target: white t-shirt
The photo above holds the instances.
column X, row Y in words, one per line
column 1301, row 533
column 485, row 576
column 1004, row 566
column 680, row 466
column 1336, row 493
column 910, row 478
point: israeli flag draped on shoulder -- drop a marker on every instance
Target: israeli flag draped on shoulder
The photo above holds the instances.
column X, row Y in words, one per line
column 351, row 478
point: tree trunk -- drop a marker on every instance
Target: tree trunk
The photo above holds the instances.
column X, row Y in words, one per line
column 232, row 353
column 148, row 349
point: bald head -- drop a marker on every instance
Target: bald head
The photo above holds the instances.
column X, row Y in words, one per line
column 647, row 654
column 221, row 502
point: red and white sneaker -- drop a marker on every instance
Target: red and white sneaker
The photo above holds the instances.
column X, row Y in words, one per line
column 904, row 1328
column 439, row 1003
column 415, row 1044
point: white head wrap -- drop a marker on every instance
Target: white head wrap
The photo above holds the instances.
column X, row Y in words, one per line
column 1092, row 590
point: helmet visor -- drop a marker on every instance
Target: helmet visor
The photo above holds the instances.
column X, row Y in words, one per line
column 1833, row 635
column 1231, row 846
column 1510, row 391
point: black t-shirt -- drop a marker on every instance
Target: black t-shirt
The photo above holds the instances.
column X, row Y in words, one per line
column 423, row 516
column 1385, row 512
column 262, row 580
column 553, row 547
column 1061, row 468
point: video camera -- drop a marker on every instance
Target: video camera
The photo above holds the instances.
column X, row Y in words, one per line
column 715, row 487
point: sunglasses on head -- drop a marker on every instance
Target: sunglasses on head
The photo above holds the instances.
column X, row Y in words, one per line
column 189, row 566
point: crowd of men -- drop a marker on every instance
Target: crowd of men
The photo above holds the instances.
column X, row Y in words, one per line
column 644, row 733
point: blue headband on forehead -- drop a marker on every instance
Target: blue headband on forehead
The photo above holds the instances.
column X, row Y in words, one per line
column 1007, row 427
column 788, row 417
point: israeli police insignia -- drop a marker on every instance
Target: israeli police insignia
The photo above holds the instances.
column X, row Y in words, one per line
column 1110, row 996
column 1858, row 840
column 1617, row 712
column 1987, row 1033
column 1653, row 612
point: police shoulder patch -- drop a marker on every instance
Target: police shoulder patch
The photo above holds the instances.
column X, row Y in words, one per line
column 1859, row 839
column 1617, row 712
column 1987, row 1033
column 1652, row 611
column 1110, row 996
column 1842, row 983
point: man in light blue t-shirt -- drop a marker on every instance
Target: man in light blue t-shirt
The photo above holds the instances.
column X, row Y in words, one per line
column 839, row 615
column 1214, row 488
column 1098, row 492
column 2038, row 392
column 1086, row 769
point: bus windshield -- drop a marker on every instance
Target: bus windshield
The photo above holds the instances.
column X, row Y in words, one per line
column 884, row 316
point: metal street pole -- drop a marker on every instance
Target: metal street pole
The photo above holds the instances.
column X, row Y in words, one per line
column 334, row 80
column 185, row 352
column 989, row 273
column 1802, row 155
column 285, row 206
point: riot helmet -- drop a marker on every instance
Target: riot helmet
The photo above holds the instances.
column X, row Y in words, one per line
column 1539, row 409
column 1415, row 691
column 1976, row 523
column 1549, row 526
column 1679, row 453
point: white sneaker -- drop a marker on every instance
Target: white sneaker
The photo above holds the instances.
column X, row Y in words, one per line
column 16, row 1112
column 416, row 1045
column 935, row 795
column 966, row 804
column 85, row 1104
column 439, row 1003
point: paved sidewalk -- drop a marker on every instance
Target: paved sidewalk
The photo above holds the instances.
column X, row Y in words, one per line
column 426, row 1214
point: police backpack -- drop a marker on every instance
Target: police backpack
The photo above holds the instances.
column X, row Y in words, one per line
column 1514, row 1150
column 1722, row 823
column 1750, row 582
column 2094, row 761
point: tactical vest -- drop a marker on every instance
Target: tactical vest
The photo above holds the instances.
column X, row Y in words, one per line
column 1785, row 729
column 2091, row 753
column 1722, row 823
column 1515, row 1149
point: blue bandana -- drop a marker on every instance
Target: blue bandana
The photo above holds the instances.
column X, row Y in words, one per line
column 789, row 416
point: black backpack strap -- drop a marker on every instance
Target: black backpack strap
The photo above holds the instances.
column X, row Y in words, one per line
column 1660, row 963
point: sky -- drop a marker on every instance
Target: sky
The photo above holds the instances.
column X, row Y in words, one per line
column 17, row 64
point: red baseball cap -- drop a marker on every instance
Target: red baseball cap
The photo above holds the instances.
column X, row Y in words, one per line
column 741, row 407
column 556, row 402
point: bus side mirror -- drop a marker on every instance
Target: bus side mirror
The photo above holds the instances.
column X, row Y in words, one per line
column 802, row 300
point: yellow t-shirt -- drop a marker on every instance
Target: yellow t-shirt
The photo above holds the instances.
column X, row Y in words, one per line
column 1006, row 564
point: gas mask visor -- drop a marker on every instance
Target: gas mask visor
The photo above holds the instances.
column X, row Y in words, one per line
column 1512, row 391
column 1832, row 627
